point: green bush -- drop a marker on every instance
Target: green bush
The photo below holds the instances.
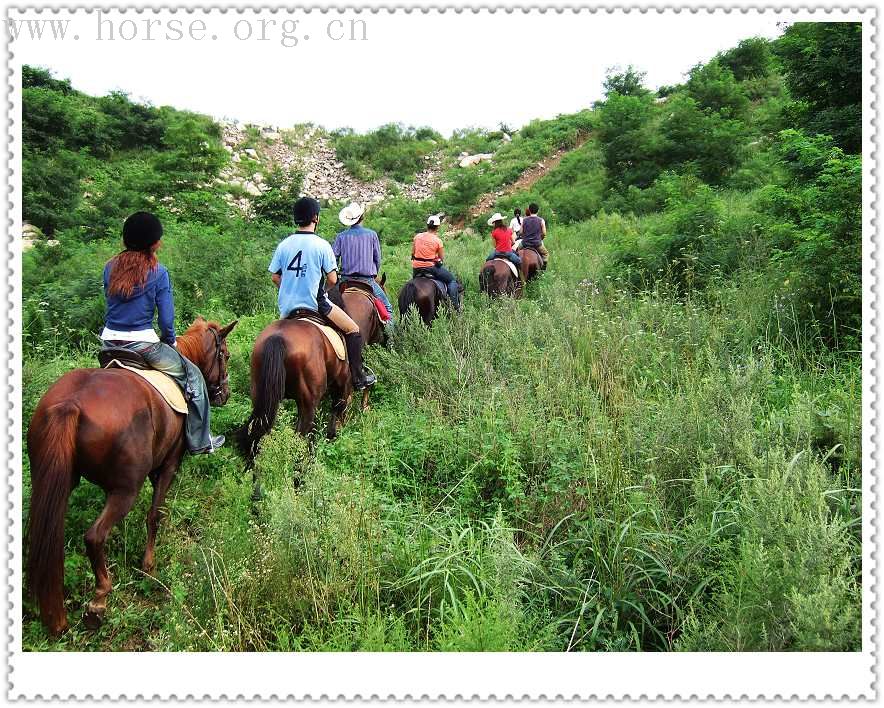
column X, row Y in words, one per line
column 392, row 150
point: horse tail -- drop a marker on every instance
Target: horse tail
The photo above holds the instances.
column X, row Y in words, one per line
column 407, row 297
column 52, row 467
column 486, row 278
column 269, row 391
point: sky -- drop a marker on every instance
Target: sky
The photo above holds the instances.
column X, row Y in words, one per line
column 448, row 71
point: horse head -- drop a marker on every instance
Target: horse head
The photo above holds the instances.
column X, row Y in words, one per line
column 205, row 344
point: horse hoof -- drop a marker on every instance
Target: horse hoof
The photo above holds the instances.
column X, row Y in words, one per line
column 93, row 618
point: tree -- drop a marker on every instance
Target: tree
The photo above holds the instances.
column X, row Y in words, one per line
column 751, row 59
column 627, row 83
column 714, row 88
column 822, row 64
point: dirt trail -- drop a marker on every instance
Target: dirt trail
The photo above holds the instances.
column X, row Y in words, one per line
column 526, row 180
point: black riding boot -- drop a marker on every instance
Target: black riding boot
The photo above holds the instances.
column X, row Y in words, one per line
column 361, row 377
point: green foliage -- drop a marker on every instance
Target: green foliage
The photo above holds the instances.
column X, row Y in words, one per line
column 276, row 204
column 822, row 65
column 392, row 150
column 715, row 89
column 627, row 139
column 817, row 233
column 699, row 141
column 626, row 83
column 752, row 58
column 93, row 160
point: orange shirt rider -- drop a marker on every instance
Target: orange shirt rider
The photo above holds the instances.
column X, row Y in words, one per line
column 427, row 250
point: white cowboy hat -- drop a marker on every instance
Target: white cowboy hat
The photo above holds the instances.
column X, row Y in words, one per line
column 434, row 220
column 351, row 213
column 496, row 217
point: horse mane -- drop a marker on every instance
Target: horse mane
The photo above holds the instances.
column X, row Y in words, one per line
column 189, row 343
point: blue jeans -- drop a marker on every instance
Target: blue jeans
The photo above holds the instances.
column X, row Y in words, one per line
column 443, row 275
column 378, row 290
column 511, row 256
column 189, row 378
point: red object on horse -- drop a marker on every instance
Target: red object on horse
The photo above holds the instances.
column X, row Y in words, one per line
column 382, row 309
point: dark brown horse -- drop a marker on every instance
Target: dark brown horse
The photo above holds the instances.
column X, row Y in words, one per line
column 357, row 300
column 113, row 428
column 423, row 294
column 532, row 264
column 496, row 278
column 292, row 358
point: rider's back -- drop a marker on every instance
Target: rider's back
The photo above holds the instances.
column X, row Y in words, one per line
column 136, row 311
column 301, row 259
column 532, row 231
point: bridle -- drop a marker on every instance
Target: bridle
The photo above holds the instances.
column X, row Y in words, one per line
column 215, row 388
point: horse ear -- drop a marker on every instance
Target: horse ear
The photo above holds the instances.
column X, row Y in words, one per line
column 383, row 278
column 224, row 332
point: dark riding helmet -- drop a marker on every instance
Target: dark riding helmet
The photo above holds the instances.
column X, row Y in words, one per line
column 141, row 231
column 305, row 210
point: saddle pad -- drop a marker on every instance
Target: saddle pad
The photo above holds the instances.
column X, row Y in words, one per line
column 333, row 336
column 382, row 310
column 164, row 385
column 511, row 265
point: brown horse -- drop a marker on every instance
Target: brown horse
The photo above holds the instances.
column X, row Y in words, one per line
column 496, row 279
column 113, row 428
column 423, row 294
column 532, row 264
column 293, row 359
column 357, row 300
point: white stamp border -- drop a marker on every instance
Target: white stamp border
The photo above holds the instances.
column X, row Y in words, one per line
column 426, row 676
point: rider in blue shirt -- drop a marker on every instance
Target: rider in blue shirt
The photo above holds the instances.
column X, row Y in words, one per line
column 301, row 265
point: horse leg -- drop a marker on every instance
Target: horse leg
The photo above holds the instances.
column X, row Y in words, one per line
column 117, row 505
column 161, row 480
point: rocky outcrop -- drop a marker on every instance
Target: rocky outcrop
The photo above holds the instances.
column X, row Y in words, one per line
column 257, row 150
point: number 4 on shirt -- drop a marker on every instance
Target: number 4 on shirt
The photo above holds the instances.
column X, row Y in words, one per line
column 296, row 266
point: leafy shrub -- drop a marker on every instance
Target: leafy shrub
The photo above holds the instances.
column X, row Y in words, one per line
column 392, row 150
column 276, row 204
column 822, row 67
column 715, row 89
column 818, row 230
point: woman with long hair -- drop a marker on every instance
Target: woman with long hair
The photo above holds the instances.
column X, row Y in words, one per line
column 136, row 286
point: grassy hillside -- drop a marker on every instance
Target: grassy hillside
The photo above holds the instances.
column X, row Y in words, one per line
column 658, row 448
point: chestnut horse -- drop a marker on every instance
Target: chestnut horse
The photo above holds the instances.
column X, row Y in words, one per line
column 113, row 428
column 292, row 358
column 496, row 279
column 532, row 264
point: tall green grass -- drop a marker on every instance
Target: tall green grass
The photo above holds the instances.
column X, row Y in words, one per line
column 594, row 467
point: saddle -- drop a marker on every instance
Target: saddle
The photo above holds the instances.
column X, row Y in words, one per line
column 512, row 266
column 324, row 325
column 119, row 358
column 366, row 290
column 440, row 286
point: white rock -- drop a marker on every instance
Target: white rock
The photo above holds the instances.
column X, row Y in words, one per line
column 251, row 189
column 235, row 158
column 257, row 178
column 251, row 152
column 475, row 159
column 506, row 138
